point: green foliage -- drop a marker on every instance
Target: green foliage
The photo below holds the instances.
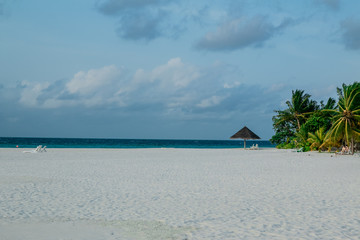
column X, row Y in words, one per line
column 288, row 122
column 346, row 117
column 286, row 146
column 283, row 132
column 307, row 125
column 298, row 109
column 301, row 137
column 291, row 145
column 330, row 104
column 317, row 121
column 318, row 140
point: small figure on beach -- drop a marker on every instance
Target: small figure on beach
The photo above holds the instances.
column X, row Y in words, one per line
column 345, row 150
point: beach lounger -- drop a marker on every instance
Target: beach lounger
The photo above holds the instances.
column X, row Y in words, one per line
column 43, row 149
column 300, row 150
column 36, row 150
column 254, row 147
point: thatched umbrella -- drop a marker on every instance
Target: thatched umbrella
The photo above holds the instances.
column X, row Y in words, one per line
column 245, row 134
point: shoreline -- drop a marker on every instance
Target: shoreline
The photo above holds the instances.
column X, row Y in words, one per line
column 124, row 143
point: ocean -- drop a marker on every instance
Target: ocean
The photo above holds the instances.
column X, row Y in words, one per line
column 13, row 142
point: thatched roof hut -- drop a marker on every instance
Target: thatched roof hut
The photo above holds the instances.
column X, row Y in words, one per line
column 245, row 134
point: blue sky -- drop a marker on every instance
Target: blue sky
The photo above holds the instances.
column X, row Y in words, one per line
column 168, row 69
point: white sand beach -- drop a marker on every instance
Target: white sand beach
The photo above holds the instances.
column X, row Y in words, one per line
column 178, row 194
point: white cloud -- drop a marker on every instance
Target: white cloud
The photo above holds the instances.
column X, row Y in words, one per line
column 172, row 75
column 88, row 82
column 175, row 73
column 172, row 88
column 231, row 85
column 210, row 102
column 29, row 96
column 89, row 88
column 109, row 86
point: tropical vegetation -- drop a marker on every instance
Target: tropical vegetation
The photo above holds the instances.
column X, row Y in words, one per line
column 325, row 126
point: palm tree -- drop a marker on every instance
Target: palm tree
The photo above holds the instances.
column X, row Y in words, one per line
column 346, row 124
column 330, row 104
column 302, row 137
column 318, row 139
column 298, row 108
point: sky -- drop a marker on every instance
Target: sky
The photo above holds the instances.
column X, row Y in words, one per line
column 166, row 69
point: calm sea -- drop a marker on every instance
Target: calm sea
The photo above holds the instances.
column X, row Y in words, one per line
column 6, row 142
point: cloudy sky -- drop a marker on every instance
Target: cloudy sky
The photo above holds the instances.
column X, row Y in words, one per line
column 168, row 69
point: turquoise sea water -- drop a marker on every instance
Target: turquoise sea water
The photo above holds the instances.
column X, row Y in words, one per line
column 6, row 142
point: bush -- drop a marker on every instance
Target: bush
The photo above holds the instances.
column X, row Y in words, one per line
column 307, row 148
column 286, row 146
column 292, row 145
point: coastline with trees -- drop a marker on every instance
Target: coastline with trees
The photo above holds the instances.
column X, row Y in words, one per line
column 333, row 125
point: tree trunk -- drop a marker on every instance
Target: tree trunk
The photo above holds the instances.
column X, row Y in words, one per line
column 298, row 123
column 352, row 146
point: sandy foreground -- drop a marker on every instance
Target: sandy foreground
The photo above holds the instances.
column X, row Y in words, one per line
column 178, row 194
